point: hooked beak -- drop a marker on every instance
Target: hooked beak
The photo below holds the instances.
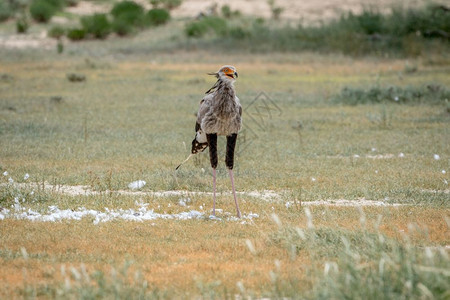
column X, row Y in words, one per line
column 234, row 75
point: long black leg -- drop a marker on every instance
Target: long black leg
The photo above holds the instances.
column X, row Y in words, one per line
column 212, row 142
column 231, row 144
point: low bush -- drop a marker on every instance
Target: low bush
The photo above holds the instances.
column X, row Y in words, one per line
column 206, row 25
column 57, row 4
column 228, row 13
column 128, row 11
column 56, row 32
column 72, row 3
column 6, row 11
column 76, row 34
column 42, row 10
column 22, row 25
column 122, row 27
column 96, row 25
column 157, row 16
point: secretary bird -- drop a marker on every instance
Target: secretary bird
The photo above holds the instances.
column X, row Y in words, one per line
column 219, row 114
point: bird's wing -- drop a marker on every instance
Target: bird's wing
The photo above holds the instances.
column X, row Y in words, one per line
column 205, row 106
column 239, row 105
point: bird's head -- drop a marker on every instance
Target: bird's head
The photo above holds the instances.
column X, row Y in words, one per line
column 228, row 73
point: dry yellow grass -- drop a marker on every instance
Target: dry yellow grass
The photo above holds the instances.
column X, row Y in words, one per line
column 176, row 255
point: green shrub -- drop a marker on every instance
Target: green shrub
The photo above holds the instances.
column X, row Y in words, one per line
column 205, row 25
column 72, row 2
column 76, row 34
column 57, row 4
column 42, row 10
column 196, row 29
column 157, row 16
column 122, row 27
column 239, row 33
column 56, row 32
column 228, row 13
column 97, row 25
column 129, row 8
column 22, row 25
column 6, row 11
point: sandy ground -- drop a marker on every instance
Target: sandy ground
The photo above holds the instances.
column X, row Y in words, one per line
column 266, row 195
column 309, row 11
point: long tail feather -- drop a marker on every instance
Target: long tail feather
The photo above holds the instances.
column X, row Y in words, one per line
column 190, row 155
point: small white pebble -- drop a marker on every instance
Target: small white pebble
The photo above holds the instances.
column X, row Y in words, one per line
column 26, row 176
column 201, row 207
column 203, row 170
column 374, row 149
column 437, row 157
column 401, row 154
column 288, row 204
column 396, row 98
column 443, row 172
column 10, row 180
column 376, row 171
column 313, row 179
column 356, row 156
column 5, row 173
column 138, row 184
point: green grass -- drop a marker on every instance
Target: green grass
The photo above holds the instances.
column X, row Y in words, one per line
column 111, row 125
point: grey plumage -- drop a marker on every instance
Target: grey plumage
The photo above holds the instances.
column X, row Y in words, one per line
column 220, row 111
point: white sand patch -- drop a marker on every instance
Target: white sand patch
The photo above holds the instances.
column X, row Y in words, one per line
column 84, row 8
column 22, row 41
column 136, row 185
column 185, row 196
column 309, row 11
column 349, row 203
column 140, row 214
